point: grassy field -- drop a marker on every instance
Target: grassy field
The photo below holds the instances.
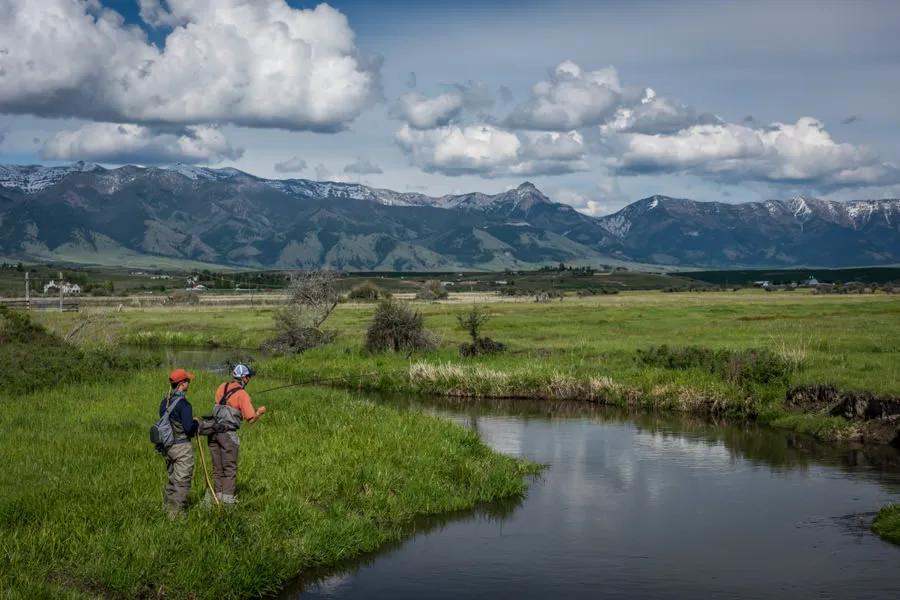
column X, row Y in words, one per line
column 323, row 478
column 583, row 348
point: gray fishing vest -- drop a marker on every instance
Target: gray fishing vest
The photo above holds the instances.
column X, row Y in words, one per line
column 178, row 432
column 226, row 417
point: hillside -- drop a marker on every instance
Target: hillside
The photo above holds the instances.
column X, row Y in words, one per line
column 131, row 215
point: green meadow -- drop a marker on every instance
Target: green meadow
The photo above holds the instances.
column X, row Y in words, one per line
column 326, row 475
column 323, row 477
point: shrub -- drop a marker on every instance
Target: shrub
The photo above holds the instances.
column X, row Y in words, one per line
column 396, row 327
column 472, row 321
column 34, row 358
column 744, row 367
column 313, row 297
column 432, row 290
column 366, row 291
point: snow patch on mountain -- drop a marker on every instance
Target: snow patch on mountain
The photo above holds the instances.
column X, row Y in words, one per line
column 34, row 178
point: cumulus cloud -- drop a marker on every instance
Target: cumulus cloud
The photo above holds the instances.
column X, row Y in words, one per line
column 154, row 13
column 801, row 152
column 258, row 63
column 362, row 166
column 657, row 114
column 295, row 164
column 492, row 151
column 424, row 112
column 573, row 98
column 118, row 142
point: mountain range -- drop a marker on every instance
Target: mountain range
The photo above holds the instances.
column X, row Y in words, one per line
column 185, row 215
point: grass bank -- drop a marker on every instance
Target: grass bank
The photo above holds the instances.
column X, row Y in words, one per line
column 887, row 523
column 324, row 477
column 587, row 348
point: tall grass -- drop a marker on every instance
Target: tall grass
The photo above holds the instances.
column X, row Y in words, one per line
column 323, row 477
column 887, row 523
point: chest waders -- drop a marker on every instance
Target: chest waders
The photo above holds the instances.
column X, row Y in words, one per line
column 224, row 444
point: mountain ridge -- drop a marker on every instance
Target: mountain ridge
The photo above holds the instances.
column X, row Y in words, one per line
column 226, row 216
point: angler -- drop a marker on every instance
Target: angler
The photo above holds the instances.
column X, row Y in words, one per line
column 233, row 406
column 172, row 435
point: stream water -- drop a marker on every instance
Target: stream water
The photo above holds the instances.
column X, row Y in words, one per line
column 641, row 506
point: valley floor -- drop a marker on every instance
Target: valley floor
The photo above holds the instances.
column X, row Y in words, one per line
column 693, row 352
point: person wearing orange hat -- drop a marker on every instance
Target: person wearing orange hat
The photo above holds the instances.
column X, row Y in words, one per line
column 180, row 455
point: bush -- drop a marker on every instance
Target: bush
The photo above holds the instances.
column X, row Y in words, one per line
column 396, row 327
column 366, row 291
column 742, row 367
column 472, row 321
column 33, row 358
column 432, row 290
column 313, row 297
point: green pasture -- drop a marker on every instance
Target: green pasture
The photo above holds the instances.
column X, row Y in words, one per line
column 323, row 477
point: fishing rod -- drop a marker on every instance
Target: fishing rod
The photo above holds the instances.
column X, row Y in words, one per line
column 299, row 383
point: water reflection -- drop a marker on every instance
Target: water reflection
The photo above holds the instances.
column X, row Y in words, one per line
column 641, row 505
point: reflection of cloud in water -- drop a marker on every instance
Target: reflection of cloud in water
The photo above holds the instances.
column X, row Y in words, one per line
column 684, row 451
column 332, row 584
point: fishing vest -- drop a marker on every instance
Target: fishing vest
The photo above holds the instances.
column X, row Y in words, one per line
column 178, row 432
column 226, row 417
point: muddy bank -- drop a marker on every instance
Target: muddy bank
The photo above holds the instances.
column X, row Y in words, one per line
column 877, row 417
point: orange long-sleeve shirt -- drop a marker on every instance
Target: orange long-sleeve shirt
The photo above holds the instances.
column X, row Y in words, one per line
column 239, row 399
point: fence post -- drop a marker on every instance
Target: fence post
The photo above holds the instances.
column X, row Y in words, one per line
column 60, row 292
column 27, row 290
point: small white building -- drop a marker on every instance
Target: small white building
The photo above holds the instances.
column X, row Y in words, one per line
column 68, row 289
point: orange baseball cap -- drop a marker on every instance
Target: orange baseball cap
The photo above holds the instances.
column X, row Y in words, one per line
column 179, row 375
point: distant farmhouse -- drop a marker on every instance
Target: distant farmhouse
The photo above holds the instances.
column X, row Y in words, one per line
column 68, row 289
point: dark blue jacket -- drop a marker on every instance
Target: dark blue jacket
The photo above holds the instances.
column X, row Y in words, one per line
column 182, row 413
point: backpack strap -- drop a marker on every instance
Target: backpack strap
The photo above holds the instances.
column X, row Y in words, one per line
column 170, row 406
column 229, row 392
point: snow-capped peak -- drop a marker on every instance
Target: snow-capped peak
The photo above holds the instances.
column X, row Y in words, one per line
column 34, row 178
column 194, row 172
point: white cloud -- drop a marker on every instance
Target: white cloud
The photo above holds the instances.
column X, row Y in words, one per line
column 802, row 152
column 657, row 114
column 424, row 112
column 154, row 13
column 492, row 151
column 121, row 143
column 258, row 63
column 295, row 164
column 362, row 166
column 573, row 98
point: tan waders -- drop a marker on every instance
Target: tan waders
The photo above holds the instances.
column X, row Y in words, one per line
column 180, row 465
column 223, row 447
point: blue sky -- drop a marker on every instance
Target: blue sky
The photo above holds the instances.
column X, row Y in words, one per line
column 749, row 100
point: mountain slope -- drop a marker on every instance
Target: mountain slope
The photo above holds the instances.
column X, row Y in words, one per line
column 86, row 213
column 799, row 231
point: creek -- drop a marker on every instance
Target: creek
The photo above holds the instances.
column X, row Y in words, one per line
column 644, row 506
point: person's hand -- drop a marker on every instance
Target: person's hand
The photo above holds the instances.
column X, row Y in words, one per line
column 261, row 411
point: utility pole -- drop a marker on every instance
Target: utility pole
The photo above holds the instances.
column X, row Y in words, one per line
column 60, row 292
column 27, row 290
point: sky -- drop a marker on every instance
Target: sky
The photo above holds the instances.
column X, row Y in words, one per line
column 597, row 103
